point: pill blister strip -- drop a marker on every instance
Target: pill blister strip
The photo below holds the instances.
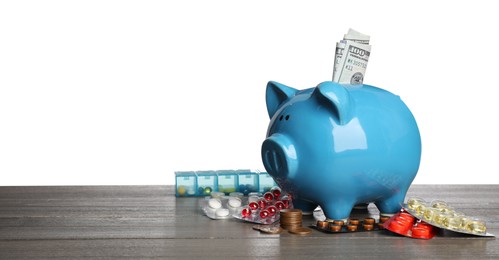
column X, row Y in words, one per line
column 439, row 214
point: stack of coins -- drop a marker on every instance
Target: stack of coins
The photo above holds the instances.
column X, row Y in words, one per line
column 291, row 218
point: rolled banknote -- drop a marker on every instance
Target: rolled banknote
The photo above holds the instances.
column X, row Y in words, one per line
column 353, row 35
column 344, row 67
column 340, row 46
column 353, row 63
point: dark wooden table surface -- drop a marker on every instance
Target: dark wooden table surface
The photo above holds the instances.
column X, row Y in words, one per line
column 150, row 222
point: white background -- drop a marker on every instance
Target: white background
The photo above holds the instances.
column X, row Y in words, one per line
column 127, row 92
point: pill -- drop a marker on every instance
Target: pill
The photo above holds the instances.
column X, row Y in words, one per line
column 246, row 212
column 429, row 214
column 354, row 221
column 214, row 203
column 414, row 202
column 276, row 191
column 339, row 222
column 334, row 227
column 268, row 196
column 181, row 190
column 399, row 227
column 222, row 212
column 279, row 205
column 368, row 227
column 383, row 219
column 421, row 231
column 439, row 204
column 272, row 210
column 262, row 204
column 322, row 224
column 404, row 216
column 234, row 202
column 369, row 221
column 381, row 226
column 452, row 222
column 352, row 227
column 476, row 226
column 253, row 205
column 264, row 213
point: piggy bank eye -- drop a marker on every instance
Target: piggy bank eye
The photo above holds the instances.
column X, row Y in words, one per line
column 287, row 117
column 280, row 118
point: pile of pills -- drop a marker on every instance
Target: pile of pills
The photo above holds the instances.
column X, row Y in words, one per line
column 439, row 214
column 264, row 209
column 352, row 225
column 407, row 225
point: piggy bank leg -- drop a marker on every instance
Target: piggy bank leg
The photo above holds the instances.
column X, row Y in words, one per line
column 391, row 205
column 338, row 210
column 307, row 207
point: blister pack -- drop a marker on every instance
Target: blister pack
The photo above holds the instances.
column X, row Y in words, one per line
column 264, row 209
column 221, row 207
column 439, row 214
column 352, row 225
column 407, row 225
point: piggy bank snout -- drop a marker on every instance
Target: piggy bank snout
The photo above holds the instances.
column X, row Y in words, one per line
column 279, row 156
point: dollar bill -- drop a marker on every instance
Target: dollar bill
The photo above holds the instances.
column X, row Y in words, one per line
column 353, row 63
column 351, row 69
column 355, row 36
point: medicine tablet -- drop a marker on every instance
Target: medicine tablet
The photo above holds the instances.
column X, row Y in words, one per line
column 354, row 221
column 222, row 212
column 214, row 203
column 234, row 202
column 352, row 227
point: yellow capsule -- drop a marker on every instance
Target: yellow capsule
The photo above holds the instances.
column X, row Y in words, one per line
column 439, row 204
column 414, row 202
column 446, row 211
column 439, row 217
column 464, row 222
column 420, row 209
column 429, row 213
column 452, row 222
column 476, row 226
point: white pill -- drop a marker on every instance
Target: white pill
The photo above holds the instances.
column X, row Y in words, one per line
column 214, row 203
column 234, row 202
column 222, row 212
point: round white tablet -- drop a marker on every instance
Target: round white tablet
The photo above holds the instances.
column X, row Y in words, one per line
column 234, row 202
column 222, row 212
column 214, row 203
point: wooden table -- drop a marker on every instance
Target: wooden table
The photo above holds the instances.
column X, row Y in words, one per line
column 149, row 221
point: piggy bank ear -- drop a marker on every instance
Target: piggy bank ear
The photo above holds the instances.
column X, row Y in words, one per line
column 276, row 94
column 337, row 97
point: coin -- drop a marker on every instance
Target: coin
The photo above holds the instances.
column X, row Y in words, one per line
column 300, row 231
column 268, row 229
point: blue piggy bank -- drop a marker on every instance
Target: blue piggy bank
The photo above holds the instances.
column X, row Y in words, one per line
column 340, row 145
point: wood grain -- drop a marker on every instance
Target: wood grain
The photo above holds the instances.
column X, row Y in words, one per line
column 150, row 222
